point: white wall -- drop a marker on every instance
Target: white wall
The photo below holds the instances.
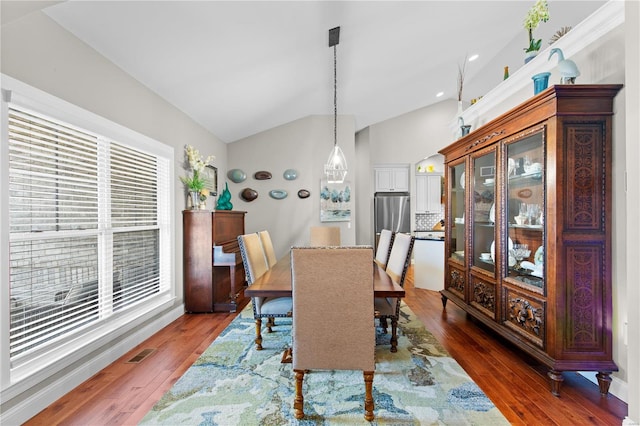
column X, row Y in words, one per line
column 631, row 335
column 40, row 53
column 303, row 145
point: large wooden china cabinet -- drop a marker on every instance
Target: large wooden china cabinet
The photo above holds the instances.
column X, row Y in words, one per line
column 528, row 228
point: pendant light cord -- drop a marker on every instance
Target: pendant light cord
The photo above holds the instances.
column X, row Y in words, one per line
column 335, row 97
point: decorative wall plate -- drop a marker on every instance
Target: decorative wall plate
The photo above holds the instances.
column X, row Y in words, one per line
column 303, row 193
column 278, row 194
column 236, row 175
column 249, row 194
column 290, row 174
column 262, row 175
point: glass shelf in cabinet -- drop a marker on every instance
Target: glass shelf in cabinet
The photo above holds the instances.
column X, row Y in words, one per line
column 526, row 177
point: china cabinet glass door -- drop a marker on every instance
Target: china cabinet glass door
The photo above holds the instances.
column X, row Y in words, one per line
column 483, row 208
column 525, row 210
column 457, row 183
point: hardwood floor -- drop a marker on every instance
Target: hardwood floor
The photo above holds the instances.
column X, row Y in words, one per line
column 122, row 393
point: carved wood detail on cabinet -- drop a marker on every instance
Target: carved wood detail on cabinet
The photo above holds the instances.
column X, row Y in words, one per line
column 484, row 297
column 537, row 268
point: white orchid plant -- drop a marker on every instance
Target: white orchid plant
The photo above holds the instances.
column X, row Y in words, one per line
column 539, row 12
column 196, row 182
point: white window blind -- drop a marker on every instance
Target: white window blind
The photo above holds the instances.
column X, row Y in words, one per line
column 84, row 229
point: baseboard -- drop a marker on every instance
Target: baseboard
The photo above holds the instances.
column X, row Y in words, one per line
column 49, row 393
column 617, row 388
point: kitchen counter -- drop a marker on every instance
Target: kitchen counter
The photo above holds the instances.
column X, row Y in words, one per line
column 429, row 235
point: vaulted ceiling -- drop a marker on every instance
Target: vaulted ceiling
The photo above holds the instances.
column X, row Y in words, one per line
column 241, row 67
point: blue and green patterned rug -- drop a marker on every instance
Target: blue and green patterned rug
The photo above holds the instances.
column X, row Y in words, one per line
column 233, row 384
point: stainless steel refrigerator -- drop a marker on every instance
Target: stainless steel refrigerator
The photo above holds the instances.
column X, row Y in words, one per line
column 392, row 210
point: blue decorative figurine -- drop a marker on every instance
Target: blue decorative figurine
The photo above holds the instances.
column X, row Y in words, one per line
column 567, row 68
column 224, row 201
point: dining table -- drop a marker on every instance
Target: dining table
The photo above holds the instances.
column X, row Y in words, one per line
column 276, row 282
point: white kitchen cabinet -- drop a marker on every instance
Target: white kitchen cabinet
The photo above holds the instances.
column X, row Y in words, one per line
column 391, row 179
column 428, row 193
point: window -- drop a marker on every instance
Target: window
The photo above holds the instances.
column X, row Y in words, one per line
column 88, row 227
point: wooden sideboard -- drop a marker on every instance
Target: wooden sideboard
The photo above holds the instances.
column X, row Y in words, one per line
column 214, row 275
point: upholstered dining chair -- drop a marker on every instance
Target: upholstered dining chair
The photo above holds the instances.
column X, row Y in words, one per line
column 324, row 236
column 388, row 308
column 384, row 247
column 267, row 246
column 320, row 278
column 255, row 265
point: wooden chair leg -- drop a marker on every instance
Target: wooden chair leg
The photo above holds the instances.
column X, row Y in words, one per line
column 258, row 334
column 394, row 334
column 271, row 321
column 383, row 324
column 368, row 395
column 298, row 402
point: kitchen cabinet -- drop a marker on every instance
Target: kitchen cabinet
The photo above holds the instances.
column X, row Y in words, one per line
column 391, row 179
column 528, row 204
column 428, row 193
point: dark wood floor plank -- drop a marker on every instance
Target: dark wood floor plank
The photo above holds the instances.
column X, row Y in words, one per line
column 122, row 393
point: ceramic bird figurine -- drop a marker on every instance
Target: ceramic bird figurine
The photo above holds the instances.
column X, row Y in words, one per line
column 568, row 69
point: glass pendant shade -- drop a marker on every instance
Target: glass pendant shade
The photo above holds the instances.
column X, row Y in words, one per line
column 336, row 167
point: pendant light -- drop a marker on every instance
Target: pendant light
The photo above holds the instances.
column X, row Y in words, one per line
column 336, row 167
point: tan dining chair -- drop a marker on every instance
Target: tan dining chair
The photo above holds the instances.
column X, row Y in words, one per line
column 388, row 308
column 255, row 265
column 320, row 277
column 267, row 246
column 385, row 242
column 320, row 236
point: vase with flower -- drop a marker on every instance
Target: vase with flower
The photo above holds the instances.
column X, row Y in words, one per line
column 539, row 12
column 195, row 181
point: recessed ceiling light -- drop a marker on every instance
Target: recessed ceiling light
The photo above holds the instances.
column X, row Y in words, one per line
column 473, row 57
column 439, row 94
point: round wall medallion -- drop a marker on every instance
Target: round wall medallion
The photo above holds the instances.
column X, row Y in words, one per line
column 262, row 175
column 278, row 194
column 303, row 193
column 249, row 194
column 290, row 174
column 236, row 175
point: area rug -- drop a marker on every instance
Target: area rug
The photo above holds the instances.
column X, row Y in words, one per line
column 234, row 384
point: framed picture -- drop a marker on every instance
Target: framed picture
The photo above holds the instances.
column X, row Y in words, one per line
column 335, row 201
column 210, row 175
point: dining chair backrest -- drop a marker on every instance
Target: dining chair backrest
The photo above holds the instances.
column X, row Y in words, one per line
column 253, row 257
column 400, row 257
column 267, row 246
column 384, row 247
column 324, row 236
column 336, row 281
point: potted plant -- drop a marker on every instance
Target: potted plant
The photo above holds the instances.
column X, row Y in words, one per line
column 195, row 182
column 539, row 12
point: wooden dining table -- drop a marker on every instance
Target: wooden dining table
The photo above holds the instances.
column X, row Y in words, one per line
column 276, row 282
